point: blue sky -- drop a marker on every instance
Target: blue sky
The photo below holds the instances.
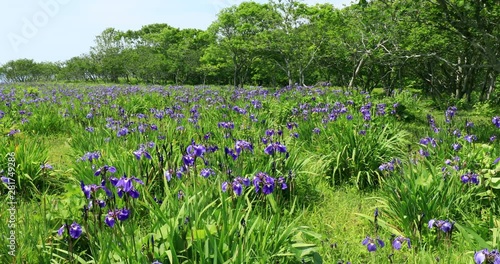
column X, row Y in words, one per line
column 56, row 30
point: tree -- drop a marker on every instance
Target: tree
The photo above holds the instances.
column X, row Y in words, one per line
column 80, row 68
column 22, row 70
column 238, row 31
column 107, row 53
column 478, row 24
column 215, row 64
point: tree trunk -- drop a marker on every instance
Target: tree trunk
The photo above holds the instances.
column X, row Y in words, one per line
column 458, row 81
column 289, row 75
column 356, row 71
column 482, row 96
column 302, row 77
column 493, row 79
column 235, row 75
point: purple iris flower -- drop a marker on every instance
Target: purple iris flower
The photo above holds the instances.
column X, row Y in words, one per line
column 196, row 150
column 206, row 172
column 188, row 160
column 291, row 125
column 470, row 138
column 180, row 171
column 365, row 110
column 6, row 179
column 231, row 153
column 263, row 182
column 104, row 169
column 480, row 256
column 381, row 109
column 424, row 153
column 239, row 110
column 485, row 256
column 211, row 149
column 142, row 152
column 90, row 156
column 224, row 186
column 470, row 177
column 399, row 241
column 496, row 121
column 241, row 145
column 101, row 203
column 450, row 113
column 237, row 185
column 274, row 147
column 371, row 245
column 226, row 125
column 282, row 183
column 75, row 230
column 46, row 166
column 428, row 140
column 270, row 132
column 124, row 185
column 445, row 226
column 141, row 128
column 389, row 166
column 88, row 190
column 180, row 195
column 122, row 132
column 120, row 214
column 268, row 185
column 168, row 174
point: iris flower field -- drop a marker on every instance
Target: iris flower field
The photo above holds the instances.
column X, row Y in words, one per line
column 209, row 174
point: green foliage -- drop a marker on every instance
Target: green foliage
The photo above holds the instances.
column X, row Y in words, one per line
column 348, row 156
column 433, row 187
column 446, row 49
column 187, row 218
column 26, row 70
column 418, row 193
column 46, row 123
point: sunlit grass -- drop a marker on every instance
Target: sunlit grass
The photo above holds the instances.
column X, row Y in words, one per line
column 331, row 168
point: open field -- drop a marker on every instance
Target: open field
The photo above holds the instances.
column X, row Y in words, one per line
column 206, row 174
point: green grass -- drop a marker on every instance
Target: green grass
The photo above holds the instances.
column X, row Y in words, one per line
column 59, row 152
column 316, row 218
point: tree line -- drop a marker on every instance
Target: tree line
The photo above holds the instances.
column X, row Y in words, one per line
column 444, row 47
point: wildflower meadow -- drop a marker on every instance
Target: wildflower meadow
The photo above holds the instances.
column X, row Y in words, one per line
column 214, row 174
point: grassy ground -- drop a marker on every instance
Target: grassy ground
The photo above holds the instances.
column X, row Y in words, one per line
column 337, row 216
column 342, row 216
column 332, row 212
column 59, row 151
